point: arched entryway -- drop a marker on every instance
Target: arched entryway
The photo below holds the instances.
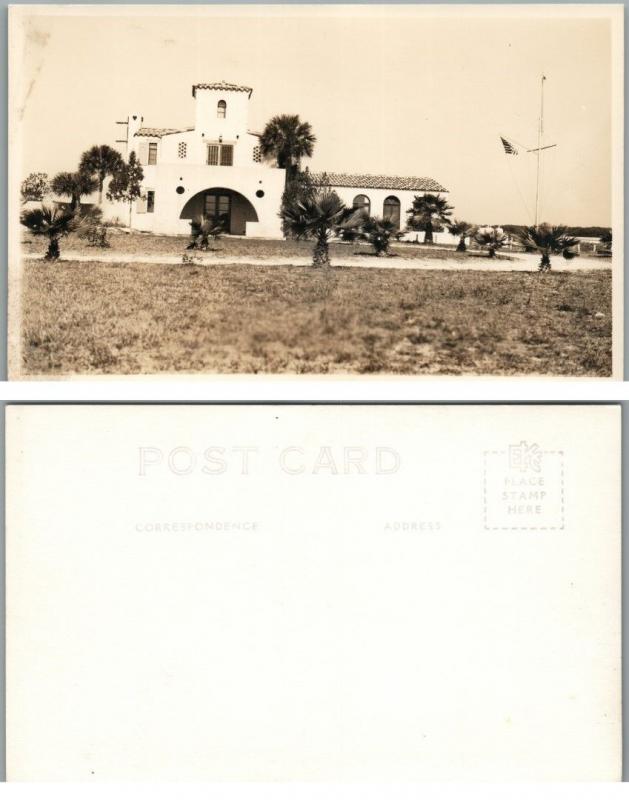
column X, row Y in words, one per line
column 362, row 203
column 391, row 210
column 231, row 207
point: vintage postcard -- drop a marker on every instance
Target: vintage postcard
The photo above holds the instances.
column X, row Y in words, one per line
column 313, row 593
column 359, row 190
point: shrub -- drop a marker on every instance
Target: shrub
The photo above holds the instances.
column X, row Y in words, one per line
column 491, row 238
column 547, row 240
column 316, row 216
column 53, row 223
column 93, row 229
column 34, row 187
column 202, row 229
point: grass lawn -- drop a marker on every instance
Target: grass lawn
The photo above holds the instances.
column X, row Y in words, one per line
column 154, row 245
column 89, row 317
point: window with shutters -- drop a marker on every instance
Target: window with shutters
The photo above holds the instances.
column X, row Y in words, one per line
column 212, row 154
column 220, row 155
column 182, row 149
column 143, row 154
column 152, row 153
column 227, row 155
column 140, row 205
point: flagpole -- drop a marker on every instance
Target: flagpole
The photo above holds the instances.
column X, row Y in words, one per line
column 540, row 135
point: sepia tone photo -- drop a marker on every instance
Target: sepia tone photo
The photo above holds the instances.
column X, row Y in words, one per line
column 315, row 190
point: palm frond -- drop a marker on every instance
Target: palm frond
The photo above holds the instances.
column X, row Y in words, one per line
column 460, row 227
column 99, row 161
column 49, row 221
column 287, row 138
column 431, row 206
column 203, row 228
column 550, row 239
column 318, row 214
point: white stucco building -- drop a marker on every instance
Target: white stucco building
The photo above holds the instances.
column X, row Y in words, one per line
column 215, row 167
column 386, row 196
column 212, row 167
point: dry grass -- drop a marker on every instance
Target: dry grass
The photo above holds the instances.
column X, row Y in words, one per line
column 104, row 318
column 153, row 244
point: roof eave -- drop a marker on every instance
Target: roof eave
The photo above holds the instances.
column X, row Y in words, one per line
column 346, row 181
column 217, row 88
column 165, row 132
column 389, row 188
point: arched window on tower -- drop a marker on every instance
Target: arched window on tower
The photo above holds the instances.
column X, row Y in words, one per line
column 391, row 210
column 221, row 109
column 362, row 202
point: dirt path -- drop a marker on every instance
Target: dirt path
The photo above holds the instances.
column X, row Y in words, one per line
column 520, row 263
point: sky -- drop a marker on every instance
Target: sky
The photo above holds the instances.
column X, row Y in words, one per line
column 385, row 93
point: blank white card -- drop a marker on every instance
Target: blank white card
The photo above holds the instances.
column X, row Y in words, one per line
column 313, row 593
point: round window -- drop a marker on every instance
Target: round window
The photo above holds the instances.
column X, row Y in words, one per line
column 180, row 190
column 259, row 193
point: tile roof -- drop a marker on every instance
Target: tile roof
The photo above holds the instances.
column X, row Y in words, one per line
column 159, row 132
column 222, row 86
column 379, row 182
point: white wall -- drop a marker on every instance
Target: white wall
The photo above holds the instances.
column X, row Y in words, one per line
column 438, row 237
column 209, row 128
column 196, row 148
column 136, row 120
column 236, row 119
column 165, row 178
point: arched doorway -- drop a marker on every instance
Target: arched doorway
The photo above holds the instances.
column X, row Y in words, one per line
column 362, row 203
column 391, row 210
column 231, row 207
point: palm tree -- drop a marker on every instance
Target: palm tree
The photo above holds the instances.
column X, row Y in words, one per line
column 52, row 223
column 202, row 229
column 378, row 233
column 491, row 238
column 300, row 187
column 74, row 184
column 426, row 210
column 287, row 139
column 101, row 161
column 375, row 230
column 350, row 228
column 548, row 240
column 316, row 216
column 461, row 229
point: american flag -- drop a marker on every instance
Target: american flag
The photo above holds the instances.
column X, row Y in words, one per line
column 509, row 148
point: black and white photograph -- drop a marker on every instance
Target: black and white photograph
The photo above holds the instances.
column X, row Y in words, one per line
column 315, row 190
